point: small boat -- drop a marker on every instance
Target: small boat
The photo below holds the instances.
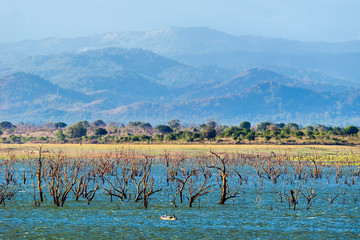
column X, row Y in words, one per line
column 167, row 217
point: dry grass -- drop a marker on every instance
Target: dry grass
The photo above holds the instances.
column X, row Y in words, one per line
column 159, row 149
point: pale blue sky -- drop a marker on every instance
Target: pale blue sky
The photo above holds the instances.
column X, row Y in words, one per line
column 326, row 20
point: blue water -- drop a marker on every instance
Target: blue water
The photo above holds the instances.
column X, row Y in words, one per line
column 257, row 213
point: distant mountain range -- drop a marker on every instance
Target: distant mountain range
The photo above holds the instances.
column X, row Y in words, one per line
column 192, row 74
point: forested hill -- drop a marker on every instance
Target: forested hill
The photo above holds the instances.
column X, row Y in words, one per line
column 194, row 74
column 125, row 91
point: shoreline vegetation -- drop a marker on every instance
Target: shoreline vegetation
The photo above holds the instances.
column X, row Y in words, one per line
column 174, row 133
column 99, row 138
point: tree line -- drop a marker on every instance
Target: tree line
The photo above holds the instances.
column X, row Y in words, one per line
column 173, row 131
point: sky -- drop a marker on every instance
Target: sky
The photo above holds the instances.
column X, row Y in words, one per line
column 306, row 20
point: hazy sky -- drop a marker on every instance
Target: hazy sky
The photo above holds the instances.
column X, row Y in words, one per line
column 329, row 20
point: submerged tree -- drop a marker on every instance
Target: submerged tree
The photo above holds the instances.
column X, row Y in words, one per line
column 223, row 167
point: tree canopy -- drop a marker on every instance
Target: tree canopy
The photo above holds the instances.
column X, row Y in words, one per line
column 59, row 125
column 245, row 124
column 77, row 130
column 164, row 129
column 6, row 125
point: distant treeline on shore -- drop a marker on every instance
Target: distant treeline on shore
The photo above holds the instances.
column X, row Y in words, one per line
column 174, row 132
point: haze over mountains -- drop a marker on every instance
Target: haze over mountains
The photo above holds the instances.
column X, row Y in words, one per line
column 193, row 74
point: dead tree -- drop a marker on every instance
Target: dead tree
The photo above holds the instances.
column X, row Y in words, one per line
column 293, row 198
column 309, row 194
column 148, row 183
column 331, row 199
column 89, row 193
column 145, row 186
column 33, row 195
column 61, row 179
column 78, row 188
column 9, row 188
column 181, row 179
column 223, row 183
column 119, row 185
column 39, row 173
column 196, row 191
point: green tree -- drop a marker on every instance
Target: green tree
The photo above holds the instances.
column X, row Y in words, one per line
column 245, row 124
column 1, row 133
column 351, row 130
column 77, row 130
column 100, row 131
column 134, row 124
column 337, row 131
column 145, row 126
column 164, row 129
column 84, row 123
column 298, row 134
column 174, row 124
column 6, row 125
column 159, row 137
column 211, row 124
column 59, row 125
column 209, row 133
column 14, row 138
column 262, row 126
column 250, row 136
column 292, row 126
column 99, row 123
column 60, row 135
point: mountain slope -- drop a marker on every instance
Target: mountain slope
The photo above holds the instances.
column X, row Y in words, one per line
column 266, row 101
column 22, row 93
column 71, row 70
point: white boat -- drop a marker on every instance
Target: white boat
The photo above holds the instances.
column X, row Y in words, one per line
column 167, row 217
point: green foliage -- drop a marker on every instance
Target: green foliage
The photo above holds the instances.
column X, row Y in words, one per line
column 171, row 137
column 144, row 125
column 134, row 124
column 60, row 136
column 211, row 124
column 267, row 138
column 164, row 129
column 6, row 125
column 351, row 130
column 84, row 123
column 291, row 126
column 245, row 124
column 14, row 138
column 209, row 132
column 59, row 125
column 250, row 136
column 262, row 126
column 1, row 133
column 159, row 137
column 99, row 123
column 77, row 130
column 338, row 131
column 285, row 132
column 174, row 124
column 298, row 134
column 100, row 131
